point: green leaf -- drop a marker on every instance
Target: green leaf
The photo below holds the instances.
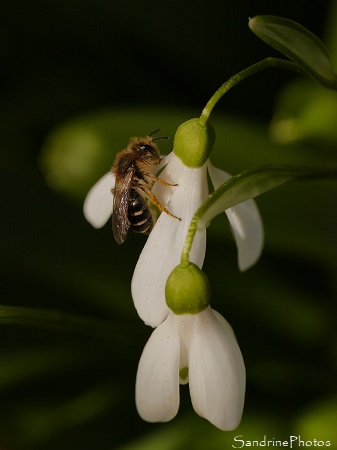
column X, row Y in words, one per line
column 298, row 44
column 61, row 322
column 251, row 183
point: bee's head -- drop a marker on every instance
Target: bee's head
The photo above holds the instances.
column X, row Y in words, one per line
column 148, row 151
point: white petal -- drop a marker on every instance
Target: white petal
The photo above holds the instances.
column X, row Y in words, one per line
column 157, row 384
column 216, row 371
column 162, row 251
column 173, row 170
column 186, row 328
column 97, row 206
column 164, row 160
column 246, row 224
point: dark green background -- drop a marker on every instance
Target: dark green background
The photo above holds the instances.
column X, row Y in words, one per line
column 114, row 70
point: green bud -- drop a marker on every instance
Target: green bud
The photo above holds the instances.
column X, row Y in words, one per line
column 193, row 142
column 187, row 290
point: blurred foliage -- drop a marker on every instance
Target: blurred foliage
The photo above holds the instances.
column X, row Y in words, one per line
column 304, row 112
column 78, row 80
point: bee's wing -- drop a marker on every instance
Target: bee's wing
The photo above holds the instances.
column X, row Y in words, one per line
column 120, row 221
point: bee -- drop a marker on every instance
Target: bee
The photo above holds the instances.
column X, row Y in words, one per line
column 134, row 173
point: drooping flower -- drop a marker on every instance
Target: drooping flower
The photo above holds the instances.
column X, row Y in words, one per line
column 187, row 166
column 202, row 349
column 194, row 345
column 163, row 248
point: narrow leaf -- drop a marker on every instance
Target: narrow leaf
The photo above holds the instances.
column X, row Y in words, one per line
column 298, row 44
column 251, row 183
column 63, row 322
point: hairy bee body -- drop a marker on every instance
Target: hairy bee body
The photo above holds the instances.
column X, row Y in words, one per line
column 134, row 173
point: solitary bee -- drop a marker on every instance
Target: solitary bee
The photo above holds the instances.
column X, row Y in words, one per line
column 133, row 169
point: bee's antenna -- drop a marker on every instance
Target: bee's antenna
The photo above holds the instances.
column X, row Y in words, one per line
column 162, row 138
column 154, row 132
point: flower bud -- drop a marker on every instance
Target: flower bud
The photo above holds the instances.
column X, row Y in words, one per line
column 187, row 290
column 193, row 142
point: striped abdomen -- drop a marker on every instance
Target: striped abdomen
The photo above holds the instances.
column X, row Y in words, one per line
column 139, row 213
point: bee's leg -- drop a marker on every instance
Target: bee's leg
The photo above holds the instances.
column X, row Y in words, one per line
column 156, row 202
column 165, row 183
column 153, row 199
column 152, row 178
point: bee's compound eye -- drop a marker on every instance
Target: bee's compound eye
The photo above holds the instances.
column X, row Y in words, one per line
column 148, row 149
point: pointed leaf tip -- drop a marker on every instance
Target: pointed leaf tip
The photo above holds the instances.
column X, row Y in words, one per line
column 298, row 44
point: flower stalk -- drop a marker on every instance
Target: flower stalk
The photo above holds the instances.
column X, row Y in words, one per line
column 245, row 186
column 237, row 78
column 185, row 255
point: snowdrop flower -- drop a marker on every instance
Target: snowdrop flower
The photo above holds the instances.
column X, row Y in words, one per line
column 194, row 345
column 187, row 166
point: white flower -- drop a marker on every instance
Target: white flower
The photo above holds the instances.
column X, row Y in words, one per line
column 164, row 245
column 205, row 344
column 162, row 251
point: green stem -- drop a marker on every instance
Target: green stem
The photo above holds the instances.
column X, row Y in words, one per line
column 247, row 185
column 236, row 79
column 233, row 81
column 185, row 256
